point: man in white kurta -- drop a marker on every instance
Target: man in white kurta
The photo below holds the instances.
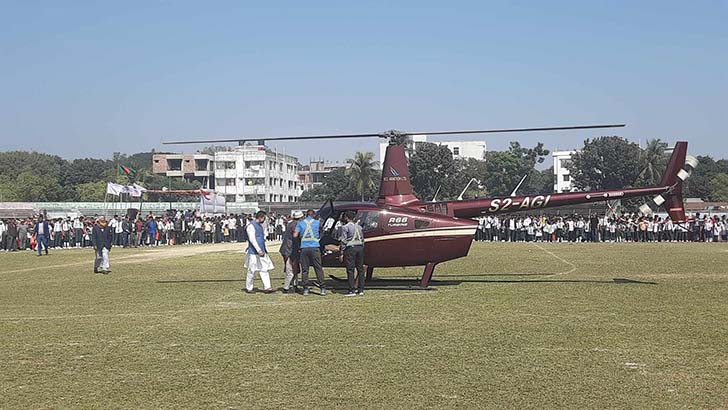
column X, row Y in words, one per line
column 257, row 259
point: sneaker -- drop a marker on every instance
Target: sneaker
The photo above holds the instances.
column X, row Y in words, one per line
column 350, row 294
column 95, row 270
column 305, row 291
column 323, row 292
column 269, row 290
column 248, row 290
column 361, row 293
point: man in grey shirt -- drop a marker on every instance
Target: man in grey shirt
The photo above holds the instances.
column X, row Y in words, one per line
column 352, row 252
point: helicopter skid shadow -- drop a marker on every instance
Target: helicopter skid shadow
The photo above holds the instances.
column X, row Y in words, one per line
column 387, row 283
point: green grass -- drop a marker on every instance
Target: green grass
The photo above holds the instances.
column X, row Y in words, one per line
column 510, row 326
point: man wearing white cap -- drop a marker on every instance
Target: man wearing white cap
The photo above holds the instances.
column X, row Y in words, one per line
column 257, row 259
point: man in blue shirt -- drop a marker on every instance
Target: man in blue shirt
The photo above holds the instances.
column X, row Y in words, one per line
column 308, row 230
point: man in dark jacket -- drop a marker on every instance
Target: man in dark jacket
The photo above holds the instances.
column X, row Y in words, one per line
column 42, row 233
column 102, row 239
column 11, row 238
column 290, row 250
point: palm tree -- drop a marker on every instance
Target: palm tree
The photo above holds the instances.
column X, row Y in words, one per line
column 361, row 172
column 653, row 161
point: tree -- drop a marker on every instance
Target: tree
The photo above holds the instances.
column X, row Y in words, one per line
column 361, row 172
column 605, row 163
column 719, row 187
column 29, row 187
column 465, row 170
column 336, row 186
column 431, row 167
column 86, row 170
column 212, row 149
column 506, row 168
column 699, row 183
column 653, row 162
column 91, row 191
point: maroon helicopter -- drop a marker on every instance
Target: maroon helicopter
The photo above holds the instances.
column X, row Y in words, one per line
column 402, row 230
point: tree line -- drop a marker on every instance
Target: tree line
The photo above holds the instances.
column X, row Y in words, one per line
column 602, row 163
column 39, row 177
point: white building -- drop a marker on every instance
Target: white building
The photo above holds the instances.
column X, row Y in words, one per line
column 255, row 173
column 459, row 149
column 562, row 178
column 313, row 174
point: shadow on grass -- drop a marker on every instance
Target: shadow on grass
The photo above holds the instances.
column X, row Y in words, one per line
column 336, row 284
column 201, row 280
column 413, row 283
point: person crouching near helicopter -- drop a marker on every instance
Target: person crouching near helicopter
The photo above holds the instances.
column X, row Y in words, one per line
column 257, row 259
column 290, row 248
column 352, row 252
column 103, row 238
column 309, row 232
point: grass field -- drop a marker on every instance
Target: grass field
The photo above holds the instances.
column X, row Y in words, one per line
column 510, row 326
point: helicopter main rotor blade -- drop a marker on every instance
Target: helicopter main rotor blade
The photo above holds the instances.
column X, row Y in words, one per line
column 305, row 137
column 389, row 134
column 575, row 127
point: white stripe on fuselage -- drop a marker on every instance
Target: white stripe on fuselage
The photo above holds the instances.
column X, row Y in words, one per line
column 464, row 231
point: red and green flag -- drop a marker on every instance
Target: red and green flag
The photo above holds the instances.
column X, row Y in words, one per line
column 126, row 170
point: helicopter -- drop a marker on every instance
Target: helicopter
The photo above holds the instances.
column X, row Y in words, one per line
column 402, row 230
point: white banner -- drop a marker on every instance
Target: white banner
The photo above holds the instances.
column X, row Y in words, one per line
column 118, row 189
column 212, row 203
column 115, row 189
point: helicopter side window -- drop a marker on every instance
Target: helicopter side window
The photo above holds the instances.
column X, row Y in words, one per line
column 369, row 220
column 421, row 223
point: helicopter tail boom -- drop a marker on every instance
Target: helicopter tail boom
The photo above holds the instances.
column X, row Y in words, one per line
column 668, row 194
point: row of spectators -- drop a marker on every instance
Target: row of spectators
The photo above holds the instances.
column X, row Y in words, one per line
column 596, row 228
column 178, row 228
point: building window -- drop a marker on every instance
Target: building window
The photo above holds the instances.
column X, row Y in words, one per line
column 225, row 165
column 230, row 198
column 456, row 151
column 567, row 178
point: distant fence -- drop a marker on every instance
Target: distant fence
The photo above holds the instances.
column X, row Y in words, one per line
column 73, row 209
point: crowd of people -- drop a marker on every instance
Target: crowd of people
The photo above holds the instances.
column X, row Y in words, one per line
column 179, row 228
column 299, row 234
column 601, row 228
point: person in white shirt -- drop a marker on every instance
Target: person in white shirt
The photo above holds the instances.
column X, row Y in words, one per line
column 57, row 234
column 257, row 259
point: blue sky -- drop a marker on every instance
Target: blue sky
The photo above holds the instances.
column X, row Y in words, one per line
column 90, row 78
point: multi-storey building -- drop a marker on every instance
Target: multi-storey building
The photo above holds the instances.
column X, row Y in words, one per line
column 199, row 167
column 562, row 178
column 313, row 174
column 459, row 149
column 255, row 173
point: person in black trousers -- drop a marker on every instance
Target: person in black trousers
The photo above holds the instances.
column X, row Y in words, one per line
column 102, row 238
column 352, row 253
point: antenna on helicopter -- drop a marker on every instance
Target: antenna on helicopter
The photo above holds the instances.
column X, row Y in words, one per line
column 518, row 186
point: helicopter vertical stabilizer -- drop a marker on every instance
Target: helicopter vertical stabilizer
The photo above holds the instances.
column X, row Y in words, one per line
column 678, row 170
column 395, row 188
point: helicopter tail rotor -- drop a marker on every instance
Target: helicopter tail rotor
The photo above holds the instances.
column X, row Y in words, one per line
column 678, row 170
